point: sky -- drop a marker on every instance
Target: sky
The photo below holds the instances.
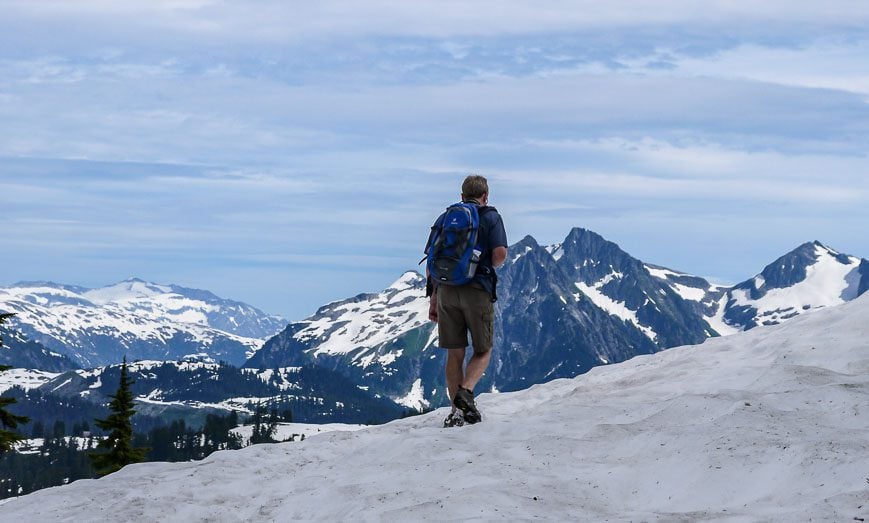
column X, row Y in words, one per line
column 288, row 154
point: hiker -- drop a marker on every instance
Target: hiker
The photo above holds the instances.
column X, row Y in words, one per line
column 461, row 283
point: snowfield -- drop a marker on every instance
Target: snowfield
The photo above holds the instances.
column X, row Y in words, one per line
column 286, row 431
column 766, row 425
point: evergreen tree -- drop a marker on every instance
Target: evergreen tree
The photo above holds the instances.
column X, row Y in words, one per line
column 263, row 429
column 8, row 421
column 118, row 449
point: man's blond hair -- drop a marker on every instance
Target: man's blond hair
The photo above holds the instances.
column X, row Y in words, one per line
column 475, row 186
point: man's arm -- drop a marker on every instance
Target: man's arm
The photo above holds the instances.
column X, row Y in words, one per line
column 498, row 242
column 433, row 300
column 499, row 255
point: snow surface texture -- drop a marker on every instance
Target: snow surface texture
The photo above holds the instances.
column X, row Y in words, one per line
column 767, row 425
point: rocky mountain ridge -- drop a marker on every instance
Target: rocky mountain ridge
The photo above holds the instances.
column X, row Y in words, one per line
column 563, row 309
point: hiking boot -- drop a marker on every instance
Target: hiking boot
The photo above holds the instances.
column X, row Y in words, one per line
column 455, row 419
column 464, row 401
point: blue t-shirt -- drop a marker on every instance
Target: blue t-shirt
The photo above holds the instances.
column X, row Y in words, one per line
column 492, row 235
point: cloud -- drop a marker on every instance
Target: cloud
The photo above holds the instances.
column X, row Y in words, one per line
column 219, row 120
column 280, row 21
column 821, row 64
column 202, row 138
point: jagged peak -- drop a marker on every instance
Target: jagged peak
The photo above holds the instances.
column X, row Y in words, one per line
column 410, row 279
column 811, row 251
column 577, row 233
column 527, row 241
column 792, row 267
column 583, row 246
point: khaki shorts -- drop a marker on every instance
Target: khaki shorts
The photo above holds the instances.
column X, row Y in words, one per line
column 462, row 309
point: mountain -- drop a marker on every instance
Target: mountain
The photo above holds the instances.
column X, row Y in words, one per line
column 765, row 425
column 546, row 327
column 189, row 390
column 621, row 285
column 810, row 277
column 550, row 323
column 142, row 320
column 376, row 339
column 19, row 352
column 562, row 310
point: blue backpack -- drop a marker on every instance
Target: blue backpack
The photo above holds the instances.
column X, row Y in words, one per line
column 454, row 251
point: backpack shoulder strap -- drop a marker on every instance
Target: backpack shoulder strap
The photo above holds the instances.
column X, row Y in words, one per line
column 485, row 209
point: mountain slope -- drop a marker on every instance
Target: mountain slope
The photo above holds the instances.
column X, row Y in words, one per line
column 546, row 328
column 622, row 285
column 140, row 319
column 385, row 341
column 19, row 352
column 765, row 425
column 314, row 394
column 810, row 277
column 375, row 339
column 563, row 309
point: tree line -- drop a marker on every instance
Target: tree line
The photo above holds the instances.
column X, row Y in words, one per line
column 113, row 444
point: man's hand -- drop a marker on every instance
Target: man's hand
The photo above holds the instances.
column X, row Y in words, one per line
column 433, row 308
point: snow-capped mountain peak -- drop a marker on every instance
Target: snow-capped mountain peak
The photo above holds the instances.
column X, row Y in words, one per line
column 127, row 290
column 811, row 276
column 137, row 318
column 408, row 280
column 355, row 325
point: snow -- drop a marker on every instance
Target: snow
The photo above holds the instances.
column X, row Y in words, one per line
column 828, row 282
column 32, row 445
column 556, row 250
column 613, row 307
column 717, row 320
column 685, row 291
column 661, row 273
column 765, row 425
column 415, row 398
column 688, row 293
column 376, row 319
column 390, row 357
column 286, row 430
column 239, row 404
column 521, row 254
column 407, row 281
column 127, row 311
column 24, row 378
column 125, row 291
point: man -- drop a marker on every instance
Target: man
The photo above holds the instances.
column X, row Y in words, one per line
column 470, row 308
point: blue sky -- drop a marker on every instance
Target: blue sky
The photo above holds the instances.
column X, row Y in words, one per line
column 288, row 154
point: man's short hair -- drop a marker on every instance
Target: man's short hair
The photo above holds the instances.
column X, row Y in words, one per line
column 475, row 186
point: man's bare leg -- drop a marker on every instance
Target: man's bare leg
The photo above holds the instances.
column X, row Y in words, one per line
column 476, row 367
column 455, row 372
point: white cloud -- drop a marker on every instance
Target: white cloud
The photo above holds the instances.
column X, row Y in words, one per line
column 821, row 64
